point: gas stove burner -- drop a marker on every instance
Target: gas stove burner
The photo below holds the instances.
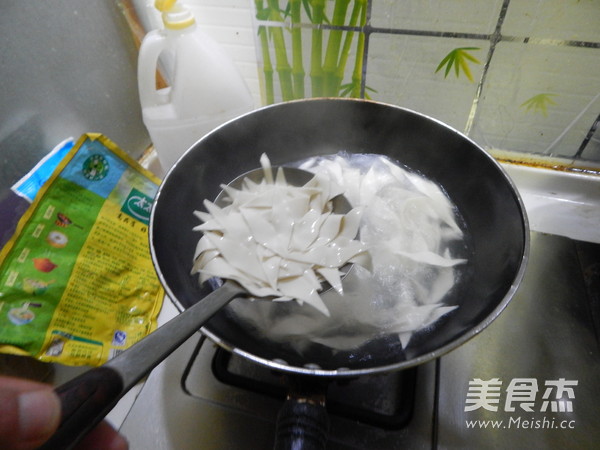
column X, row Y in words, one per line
column 385, row 401
column 384, row 411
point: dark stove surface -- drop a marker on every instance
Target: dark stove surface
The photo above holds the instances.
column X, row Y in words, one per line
column 384, row 411
column 385, row 401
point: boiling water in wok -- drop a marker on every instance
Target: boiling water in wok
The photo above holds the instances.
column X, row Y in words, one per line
column 418, row 250
column 491, row 211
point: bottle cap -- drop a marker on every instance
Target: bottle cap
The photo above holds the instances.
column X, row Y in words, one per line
column 174, row 16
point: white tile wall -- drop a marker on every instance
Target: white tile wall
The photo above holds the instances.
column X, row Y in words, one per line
column 543, row 46
column 520, row 71
column 577, row 20
column 402, row 70
column 459, row 16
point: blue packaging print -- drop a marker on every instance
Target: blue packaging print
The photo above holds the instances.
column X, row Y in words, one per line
column 119, row 338
column 95, row 168
column 28, row 186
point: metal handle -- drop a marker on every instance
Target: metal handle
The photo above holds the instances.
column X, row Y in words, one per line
column 85, row 400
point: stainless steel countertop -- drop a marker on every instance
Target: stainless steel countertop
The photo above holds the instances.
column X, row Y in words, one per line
column 546, row 333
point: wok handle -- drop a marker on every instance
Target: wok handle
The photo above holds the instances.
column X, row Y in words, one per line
column 85, row 400
column 302, row 424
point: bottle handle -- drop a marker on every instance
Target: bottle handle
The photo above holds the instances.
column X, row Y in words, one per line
column 152, row 46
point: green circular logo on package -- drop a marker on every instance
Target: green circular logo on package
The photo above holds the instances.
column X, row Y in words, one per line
column 95, row 168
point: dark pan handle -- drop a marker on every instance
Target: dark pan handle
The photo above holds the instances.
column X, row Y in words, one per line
column 85, row 400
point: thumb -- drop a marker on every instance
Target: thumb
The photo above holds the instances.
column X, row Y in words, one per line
column 27, row 416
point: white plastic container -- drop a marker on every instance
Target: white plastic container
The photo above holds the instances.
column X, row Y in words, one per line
column 206, row 88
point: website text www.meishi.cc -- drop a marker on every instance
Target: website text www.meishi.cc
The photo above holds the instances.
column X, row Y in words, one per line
column 522, row 423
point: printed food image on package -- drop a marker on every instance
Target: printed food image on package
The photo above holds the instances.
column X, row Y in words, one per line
column 77, row 285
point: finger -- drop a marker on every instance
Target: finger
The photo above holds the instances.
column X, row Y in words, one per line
column 103, row 437
column 29, row 413
column 20, row 384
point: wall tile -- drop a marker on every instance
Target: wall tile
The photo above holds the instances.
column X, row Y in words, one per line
column 460, row 16
column 402, row 70
column 519, row 72
column 577, row 20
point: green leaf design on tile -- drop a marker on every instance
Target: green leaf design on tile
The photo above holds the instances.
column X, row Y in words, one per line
column 539, row 103
column 352, row 89
column 459, row 59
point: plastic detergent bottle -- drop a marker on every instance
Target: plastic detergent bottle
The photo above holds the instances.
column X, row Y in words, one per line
column 205, row 89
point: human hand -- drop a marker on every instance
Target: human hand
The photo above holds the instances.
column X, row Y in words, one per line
column 30, row 413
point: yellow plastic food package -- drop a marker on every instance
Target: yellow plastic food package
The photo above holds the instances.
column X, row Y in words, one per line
column 77, row 285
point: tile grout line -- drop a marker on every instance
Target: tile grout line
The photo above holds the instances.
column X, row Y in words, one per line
column 588, row 137
column 365, row 59
column 441, row 34
column 494, row 39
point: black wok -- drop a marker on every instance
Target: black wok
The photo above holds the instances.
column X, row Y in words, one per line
column 492, row 210
column 493, row 214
